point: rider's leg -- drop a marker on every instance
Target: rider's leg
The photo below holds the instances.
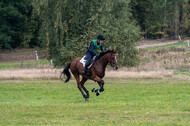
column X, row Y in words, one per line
column 88, row 55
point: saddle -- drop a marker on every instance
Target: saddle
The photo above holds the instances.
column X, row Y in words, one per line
column 84, row 60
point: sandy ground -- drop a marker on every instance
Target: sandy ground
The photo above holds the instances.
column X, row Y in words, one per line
column 51, row 73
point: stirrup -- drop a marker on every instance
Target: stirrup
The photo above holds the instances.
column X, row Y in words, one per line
column 83, row 72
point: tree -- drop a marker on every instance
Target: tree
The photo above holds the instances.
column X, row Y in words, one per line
column 15, row 22
column 188, row 14
column 161, row 18
column 69, row 26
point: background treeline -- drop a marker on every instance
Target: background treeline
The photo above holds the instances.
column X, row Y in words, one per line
column 17, row 28
column 65, row 27
column 69, row 26
column 162, row 18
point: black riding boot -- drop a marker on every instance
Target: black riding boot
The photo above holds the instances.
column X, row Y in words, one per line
column 86, row 67
column 84, row 70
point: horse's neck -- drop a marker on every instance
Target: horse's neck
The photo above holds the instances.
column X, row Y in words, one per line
column 103, row 61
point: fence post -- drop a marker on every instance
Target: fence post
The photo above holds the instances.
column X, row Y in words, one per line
column 51, row 62
column 188, row 43
column 37, row 55
column 138, row 48
column 179, row 38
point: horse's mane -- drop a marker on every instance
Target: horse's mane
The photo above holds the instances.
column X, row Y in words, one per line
column 104, row 53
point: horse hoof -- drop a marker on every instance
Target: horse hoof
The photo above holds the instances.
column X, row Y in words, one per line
column 94, row 89
column 98, row 93
column 86, row 99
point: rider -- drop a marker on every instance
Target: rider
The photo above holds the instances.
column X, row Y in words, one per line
column 95, row 44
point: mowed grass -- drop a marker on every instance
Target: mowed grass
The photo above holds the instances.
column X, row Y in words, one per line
column 170, row 46
column 34, row 63
column 124, row 102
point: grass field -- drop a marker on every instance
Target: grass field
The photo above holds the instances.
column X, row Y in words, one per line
column 173, row 57
column 34, row 63
column 170, row 46
column 124, row 102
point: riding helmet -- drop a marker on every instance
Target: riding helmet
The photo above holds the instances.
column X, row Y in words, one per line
column 101, row 37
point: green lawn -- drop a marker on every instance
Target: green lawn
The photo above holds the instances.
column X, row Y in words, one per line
column 170, row 46
column 124, row 102
column 23, row 64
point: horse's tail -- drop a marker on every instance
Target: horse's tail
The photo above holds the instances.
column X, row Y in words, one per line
column 66, row 72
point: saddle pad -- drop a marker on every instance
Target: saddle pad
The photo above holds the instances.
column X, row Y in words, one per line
column 83, row 61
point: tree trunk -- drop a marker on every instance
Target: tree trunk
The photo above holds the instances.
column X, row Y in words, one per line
column 189, row 19
column 176, row 19
column 180, row 18
column 164, row 22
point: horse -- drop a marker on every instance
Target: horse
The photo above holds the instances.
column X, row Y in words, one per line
column 96, row 72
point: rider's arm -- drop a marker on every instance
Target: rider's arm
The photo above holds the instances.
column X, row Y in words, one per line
column 92, row 49
column 101, row 47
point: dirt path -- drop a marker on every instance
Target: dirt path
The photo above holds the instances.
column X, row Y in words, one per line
column 52, row 73
column 155, row 43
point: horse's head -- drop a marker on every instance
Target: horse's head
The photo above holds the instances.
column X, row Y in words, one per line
column 110, row 56
column 113, row 60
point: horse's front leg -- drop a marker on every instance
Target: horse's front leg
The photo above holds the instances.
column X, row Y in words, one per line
column 101, row 84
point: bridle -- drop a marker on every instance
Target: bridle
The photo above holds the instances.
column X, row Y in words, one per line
column 114, row 64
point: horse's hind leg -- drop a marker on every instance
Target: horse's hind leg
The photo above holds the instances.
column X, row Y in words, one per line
column 79, row 85
column 84, row 88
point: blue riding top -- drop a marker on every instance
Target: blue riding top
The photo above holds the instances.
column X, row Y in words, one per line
column 94, row 46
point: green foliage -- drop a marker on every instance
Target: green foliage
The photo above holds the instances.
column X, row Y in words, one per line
column 16, row 29
column 161, row 18
column 69, row 26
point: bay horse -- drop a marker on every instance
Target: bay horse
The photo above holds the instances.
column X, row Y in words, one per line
column 95, row 73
